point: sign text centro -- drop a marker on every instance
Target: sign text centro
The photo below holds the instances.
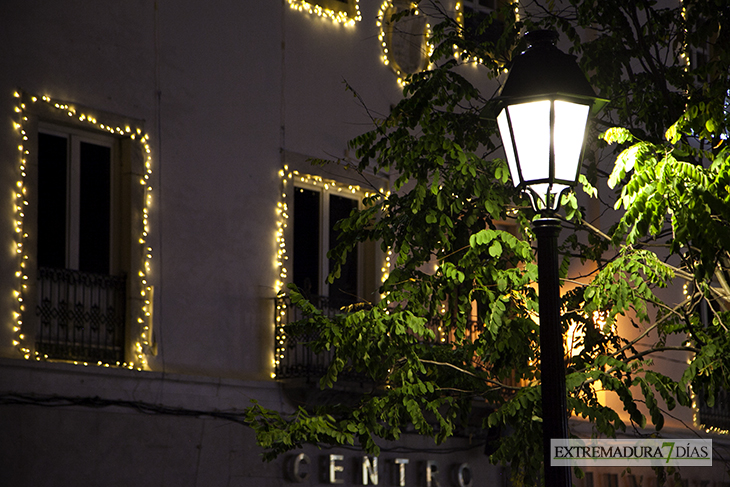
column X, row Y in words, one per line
column 629, row 453
column 299, row 470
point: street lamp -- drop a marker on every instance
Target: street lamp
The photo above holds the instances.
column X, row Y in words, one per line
column 545, row 104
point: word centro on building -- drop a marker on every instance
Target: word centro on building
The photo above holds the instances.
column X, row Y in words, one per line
column 366, row 470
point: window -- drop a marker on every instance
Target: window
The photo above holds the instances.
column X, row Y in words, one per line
column 700, row 56
column 83, row 257
column 588, row 479
column 77, row 180
column 716, row 417
column 313, row 206
column 316, row 211
column 610, row 480
column 81, row 295
column 309, row 210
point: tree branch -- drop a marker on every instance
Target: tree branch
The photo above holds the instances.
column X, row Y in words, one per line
column 663, row 349
column 652, row 327
column 463, row 371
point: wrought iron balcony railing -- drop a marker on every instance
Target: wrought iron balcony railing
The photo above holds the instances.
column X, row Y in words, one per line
column 81, row 316
column 295, row 359
column 715, row 417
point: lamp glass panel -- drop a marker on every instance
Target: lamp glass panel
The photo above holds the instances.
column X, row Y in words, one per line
column 531, row 130
column 570, row 126
column 506, row 135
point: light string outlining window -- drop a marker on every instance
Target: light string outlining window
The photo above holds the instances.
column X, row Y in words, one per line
column 386, row 10
column 335, row 15
column 288, row 177
column 696, row 396
column 143, row 314
column 458, row 53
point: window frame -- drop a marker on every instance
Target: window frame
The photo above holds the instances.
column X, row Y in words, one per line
column 292, row 359
column 325, row 191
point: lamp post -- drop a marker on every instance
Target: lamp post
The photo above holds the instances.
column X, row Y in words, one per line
column 545, row 103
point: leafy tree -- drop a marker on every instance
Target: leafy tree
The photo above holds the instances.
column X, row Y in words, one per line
column 457, row 324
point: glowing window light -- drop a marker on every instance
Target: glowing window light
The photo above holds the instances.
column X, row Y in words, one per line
column 142, row 347
column 336, row 15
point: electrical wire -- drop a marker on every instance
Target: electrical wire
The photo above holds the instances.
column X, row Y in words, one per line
column 98, row 402
column 234, row 416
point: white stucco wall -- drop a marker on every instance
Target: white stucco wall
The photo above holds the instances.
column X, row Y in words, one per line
column 223, row 89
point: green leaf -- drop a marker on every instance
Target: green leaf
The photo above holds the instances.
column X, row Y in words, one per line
column 673, row 134
column 495, row 250
column 617, row 135
column 588, row 188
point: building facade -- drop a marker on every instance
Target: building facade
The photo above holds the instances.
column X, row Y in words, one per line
column 158, row 196
column 155, row 157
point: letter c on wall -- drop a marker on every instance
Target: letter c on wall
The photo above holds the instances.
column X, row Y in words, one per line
column 296, row 473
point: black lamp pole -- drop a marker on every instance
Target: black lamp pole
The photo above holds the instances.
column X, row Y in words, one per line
column 552, row 361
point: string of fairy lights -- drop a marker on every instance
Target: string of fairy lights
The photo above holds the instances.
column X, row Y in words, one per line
column 684, row 56
column 458, row 53
column 386, row 32
column 337, row 15
column 289, row 177
column 341, row 16
column 387, row 9
column 142, row 315
column 687, row 291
